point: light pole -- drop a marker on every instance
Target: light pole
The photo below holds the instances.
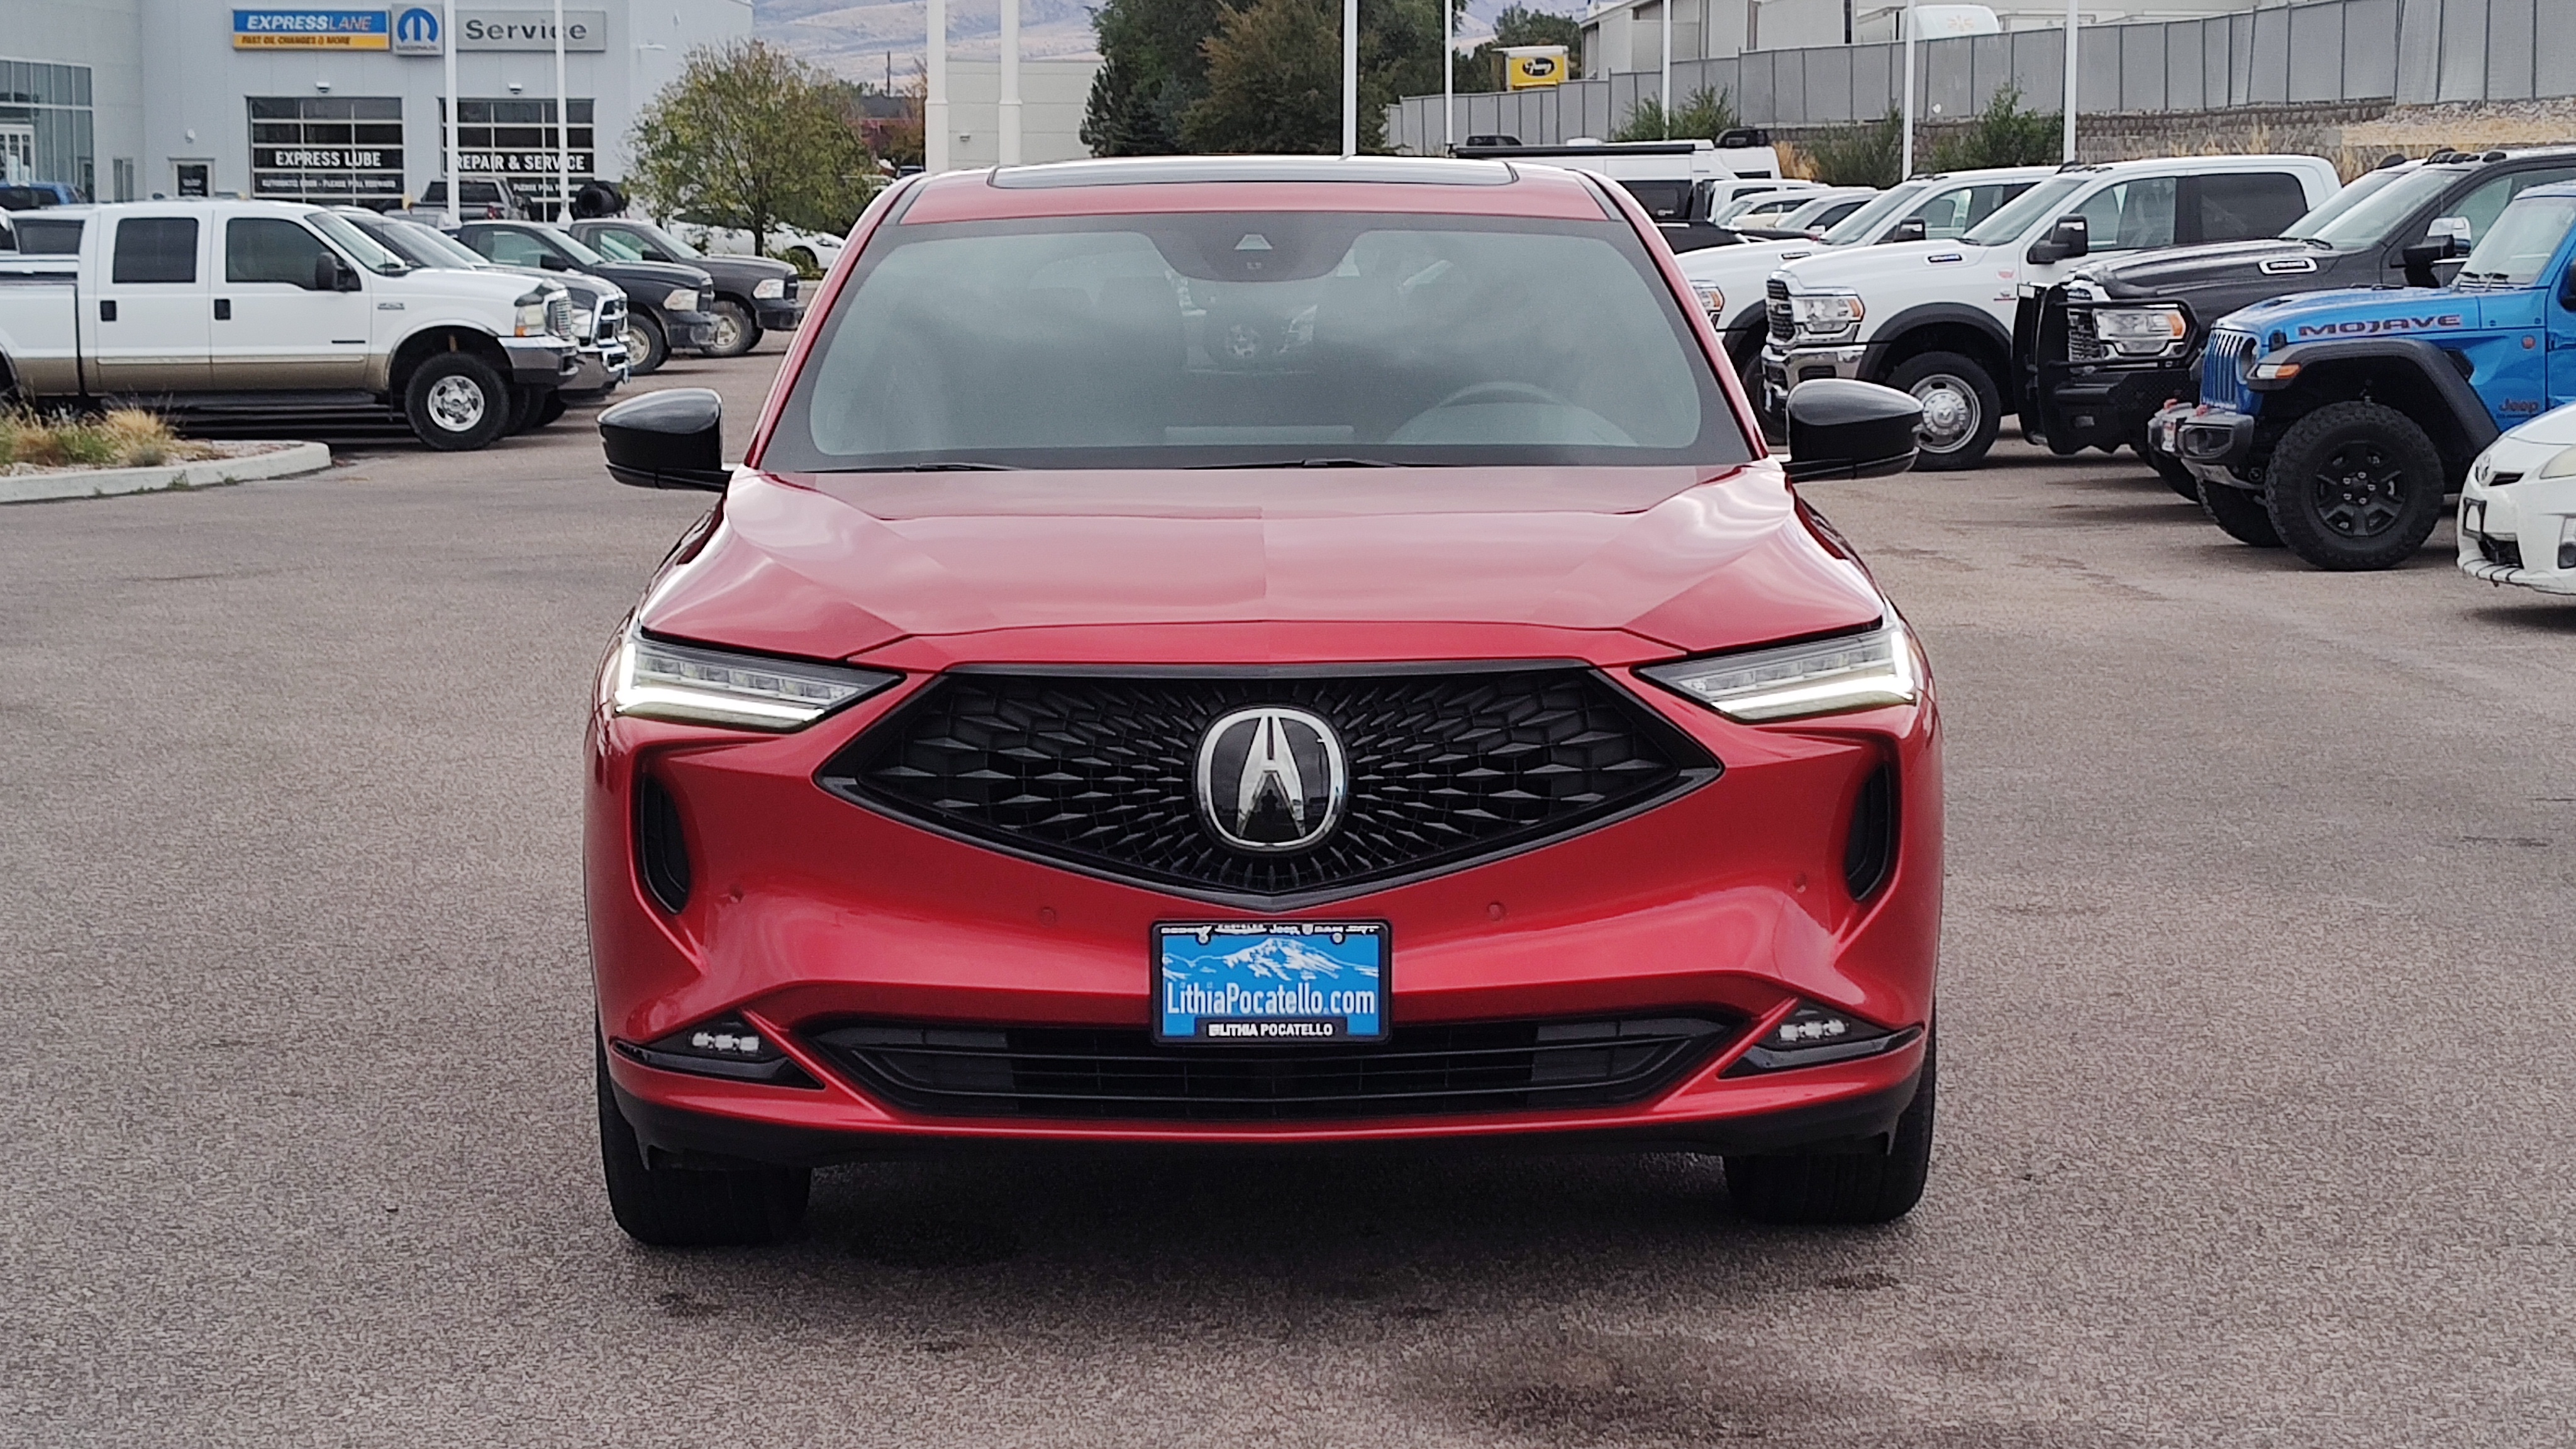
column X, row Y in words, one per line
column 455, row 178
column 934, row 100
column 1350, row 77
column 563, row 129
column 1010, row 104
column 1905, row 167
column 1448, row 76
column 1666, row 7
column 2074, row 21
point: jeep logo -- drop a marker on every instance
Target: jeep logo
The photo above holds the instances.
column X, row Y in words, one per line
column 2384, row 324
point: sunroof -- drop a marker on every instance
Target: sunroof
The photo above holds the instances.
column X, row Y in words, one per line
column 1191, row 170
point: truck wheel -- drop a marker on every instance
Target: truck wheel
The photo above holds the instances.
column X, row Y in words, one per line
column 1962, row 410
column 736, row 333
column 457, row 403
column 2238, row 512
column 549, row 407
column 2355, row 485
column 646, row 347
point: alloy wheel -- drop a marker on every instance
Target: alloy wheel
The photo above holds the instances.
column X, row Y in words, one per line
column 456, row 404
column 2360, row 491
column 1950, row 412
column 728, row 332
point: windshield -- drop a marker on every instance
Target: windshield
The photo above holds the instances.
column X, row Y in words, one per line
column 1866, row 223
column 573, row 246
column 2519, row 247
column 670, row 243
column 2009, row 222
column 2369, row 209
column 619, row 245
column 1254, row 339
column 361, row 248
column 433, row 248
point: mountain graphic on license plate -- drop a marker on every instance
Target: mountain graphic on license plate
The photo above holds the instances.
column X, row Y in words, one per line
column 1270, row 981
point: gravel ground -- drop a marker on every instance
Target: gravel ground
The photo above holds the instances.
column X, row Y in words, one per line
column 2255, row 1086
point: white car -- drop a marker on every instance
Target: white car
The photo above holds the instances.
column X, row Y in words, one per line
column 811, row 252
column 1729, row 280
column 2518, row 507
column 1935, row 318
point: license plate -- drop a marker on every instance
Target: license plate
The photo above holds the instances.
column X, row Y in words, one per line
column 1270, row 981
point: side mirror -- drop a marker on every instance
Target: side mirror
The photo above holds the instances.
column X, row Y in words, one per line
column 669, row 439
column 1844, row 429
column 1910, row 229
column 2452, row 232
column 326, row 273
column 2072, row 237
column 549, row 262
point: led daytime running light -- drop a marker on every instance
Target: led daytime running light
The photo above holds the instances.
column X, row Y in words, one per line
column 658, row 680
column 1855, row 671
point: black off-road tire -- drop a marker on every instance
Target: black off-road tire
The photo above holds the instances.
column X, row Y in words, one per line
column 2170, row 469
column 2354, row 486
column 2238, row 512
column 1823, row 1188
column 457, row 403
column 647, row 345
column 549, row 407
column 1942, row 380
column 736, row 332
column 677, row 1207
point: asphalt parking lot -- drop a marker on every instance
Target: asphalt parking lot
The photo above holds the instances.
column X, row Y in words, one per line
column 2254, row 1122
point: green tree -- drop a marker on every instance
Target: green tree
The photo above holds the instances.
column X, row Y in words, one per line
column 1701, row 116
column 1866, row 153
column 2003, row 134
column 750, row 136
column 1153, row 69
column 1274, row 74
column 1481, row 69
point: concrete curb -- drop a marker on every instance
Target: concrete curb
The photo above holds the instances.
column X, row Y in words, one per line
column 286, row 462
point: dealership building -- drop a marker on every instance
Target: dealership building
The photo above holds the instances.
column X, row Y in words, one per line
column 127, row 99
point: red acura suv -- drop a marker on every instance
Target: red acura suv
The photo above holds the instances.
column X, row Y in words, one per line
column 1244, row 652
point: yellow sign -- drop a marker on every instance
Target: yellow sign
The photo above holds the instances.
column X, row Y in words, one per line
column 1526, row 67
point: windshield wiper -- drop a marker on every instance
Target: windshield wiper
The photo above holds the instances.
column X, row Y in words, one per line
column 944, row 467
column 1309, row 463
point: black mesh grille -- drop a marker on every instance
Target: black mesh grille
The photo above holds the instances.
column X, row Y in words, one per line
column 1098, row 772
column 1775, row 305
column 1080, row 1072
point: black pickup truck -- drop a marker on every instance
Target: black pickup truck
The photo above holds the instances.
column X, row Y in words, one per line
column 2111, row 344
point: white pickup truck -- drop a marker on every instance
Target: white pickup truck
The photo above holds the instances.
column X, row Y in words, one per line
column 234, row 314
column 1935, row 318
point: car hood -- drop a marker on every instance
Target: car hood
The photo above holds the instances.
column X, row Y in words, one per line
column 1662, row 560
column 582, row 285
column 2362, row 312
column 496, row 289
column 1858, row 268
column 2553, row 429
column 1748, row 265
column 742, row 268
column 654, row 274
column 2182, row 271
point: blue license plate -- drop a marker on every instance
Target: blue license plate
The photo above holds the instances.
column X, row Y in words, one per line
column 1270, row 981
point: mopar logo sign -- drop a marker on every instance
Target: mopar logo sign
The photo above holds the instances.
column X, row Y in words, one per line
column 416, row 31
column 2382, row 325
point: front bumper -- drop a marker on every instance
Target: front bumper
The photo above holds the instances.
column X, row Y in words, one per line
column 689, row 329
column 1785, row 368
column 776, row 315
column 812, row 912
column 2214, row 445
column 2523, row 533
column 602, row 370
column 2106, row 406
column 540, row 362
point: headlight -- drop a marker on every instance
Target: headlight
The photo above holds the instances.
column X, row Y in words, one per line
column 1711, row 299
column 2141, row 331
column 1854, row 671
column 769, row 288
column 658, row 680
column 2562, row 466
column 1825, row 314
column 684, row 299
column 529, row 320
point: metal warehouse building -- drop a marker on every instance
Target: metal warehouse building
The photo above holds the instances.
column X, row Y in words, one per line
column 123, row 99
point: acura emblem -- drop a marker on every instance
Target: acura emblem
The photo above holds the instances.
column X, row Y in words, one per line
column 1272, row 780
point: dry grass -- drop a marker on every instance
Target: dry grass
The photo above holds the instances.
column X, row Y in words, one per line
column 123, row 438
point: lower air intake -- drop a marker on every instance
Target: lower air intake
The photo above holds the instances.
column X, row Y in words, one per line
column 1423, row 1070
column 1869, row 851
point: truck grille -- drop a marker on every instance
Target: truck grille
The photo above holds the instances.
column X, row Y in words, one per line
column 1776, row 307
column 2222, row 370
column 611, row 322
column 1098, row 772
column 559, row 316
column 1420, row 1070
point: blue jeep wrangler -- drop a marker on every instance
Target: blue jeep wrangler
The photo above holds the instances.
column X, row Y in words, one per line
column 2335, row 423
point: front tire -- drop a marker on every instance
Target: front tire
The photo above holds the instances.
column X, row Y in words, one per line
column 1826, row 1188
column 1962, row 409
column 2170, row 469
column 2238, row 512
column 647, row 346
column 736, row 333
column 457, row 403
column 679, row 1207
column 2355, row 486
column 548, row 409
